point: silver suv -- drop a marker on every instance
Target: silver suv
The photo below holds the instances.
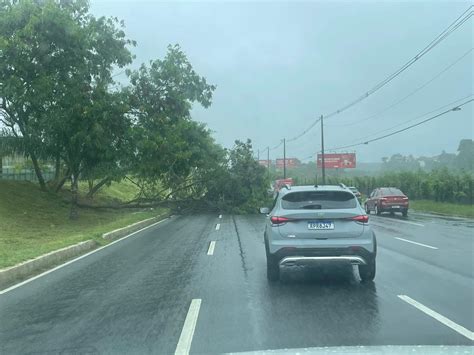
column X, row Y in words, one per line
column 312, row 224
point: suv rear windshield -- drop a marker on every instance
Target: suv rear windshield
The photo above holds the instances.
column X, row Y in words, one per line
column 318, row 200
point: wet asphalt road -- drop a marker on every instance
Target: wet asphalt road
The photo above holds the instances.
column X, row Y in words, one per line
column 134, row 296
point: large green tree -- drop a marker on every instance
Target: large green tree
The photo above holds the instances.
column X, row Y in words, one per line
column 241, row 184
column 56, row 61
column 169, row 146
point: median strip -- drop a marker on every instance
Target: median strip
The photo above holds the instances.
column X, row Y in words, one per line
column 416, row 243
column 16, row 273
column 440, row 318
column 187, row 333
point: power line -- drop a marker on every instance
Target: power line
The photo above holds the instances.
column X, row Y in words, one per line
column 406, row 96
column 415, row 118
column 450, row 29
column 304, row 132
column 455, row 108
column 438, row 39
column 277, row 146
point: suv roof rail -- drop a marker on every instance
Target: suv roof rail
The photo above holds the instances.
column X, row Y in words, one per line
column 342, row 185
column 288, row 187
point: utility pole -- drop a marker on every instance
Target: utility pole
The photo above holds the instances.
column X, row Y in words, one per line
column 284, row 158
column 323, row 168
column 258, row 155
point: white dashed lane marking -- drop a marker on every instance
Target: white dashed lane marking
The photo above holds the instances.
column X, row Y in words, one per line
column 416, row 243
column 212, row 245
column 187, row 333
column 440, row 318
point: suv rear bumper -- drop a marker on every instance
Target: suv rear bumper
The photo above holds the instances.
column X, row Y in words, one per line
column 349, row 255
column 297, row 260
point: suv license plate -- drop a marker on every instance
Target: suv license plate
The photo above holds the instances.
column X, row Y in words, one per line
column 323, row 225
column 395, row 206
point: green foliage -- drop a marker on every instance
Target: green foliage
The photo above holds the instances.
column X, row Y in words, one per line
column 168, row 146
column 55, row 70
column 57, row 102
column 241, row 184
column 465, row 157
column 439, row 185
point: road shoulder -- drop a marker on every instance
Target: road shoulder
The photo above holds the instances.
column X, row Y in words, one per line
column 14, row 274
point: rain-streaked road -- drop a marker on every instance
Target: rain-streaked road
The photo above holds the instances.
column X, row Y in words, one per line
column 199, row 282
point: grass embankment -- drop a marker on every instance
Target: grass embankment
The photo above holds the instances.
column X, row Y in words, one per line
column 450, row 209
column 33, row 222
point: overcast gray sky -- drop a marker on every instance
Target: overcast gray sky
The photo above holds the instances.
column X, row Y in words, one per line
column 279, row 65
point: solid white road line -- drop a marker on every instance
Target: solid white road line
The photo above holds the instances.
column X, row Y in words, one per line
column 218, row 226
column 420, row 244
column 212, row 245
column 220, row 216
column 397, row 220
column 76, row 259
column 442, row 319
column 186, row 338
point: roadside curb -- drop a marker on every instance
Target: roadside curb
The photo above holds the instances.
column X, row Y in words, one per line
column 121, row 232
column 12, row 274
column 17, row 273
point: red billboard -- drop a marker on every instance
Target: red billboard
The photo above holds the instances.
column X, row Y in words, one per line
column 290, row 162
column 337, row 161
column 265, row 163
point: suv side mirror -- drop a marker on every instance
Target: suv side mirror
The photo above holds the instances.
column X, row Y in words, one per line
column 264, row 210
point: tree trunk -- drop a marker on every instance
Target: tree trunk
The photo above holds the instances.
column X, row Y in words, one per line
column 74, row 194
column 62, row 181
column 57, row 168
column 94, row 189
column 90, row 182
column 38, row 172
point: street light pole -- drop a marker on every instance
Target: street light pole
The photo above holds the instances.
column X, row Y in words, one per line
column 284, row 158
column 323, row 168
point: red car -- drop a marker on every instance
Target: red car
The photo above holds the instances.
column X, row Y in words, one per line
column 387, row 199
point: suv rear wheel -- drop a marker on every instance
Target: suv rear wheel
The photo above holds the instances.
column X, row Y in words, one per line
column 405, row 213
column 367, row 272
column 367, row 209
column 273, row 268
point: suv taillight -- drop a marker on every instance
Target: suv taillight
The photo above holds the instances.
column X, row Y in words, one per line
column 279, row 220
column 362, row 218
